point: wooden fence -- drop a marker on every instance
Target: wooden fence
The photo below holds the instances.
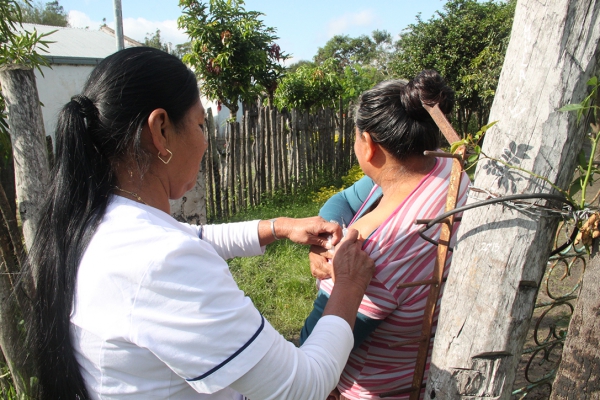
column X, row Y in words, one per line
column 270, row 151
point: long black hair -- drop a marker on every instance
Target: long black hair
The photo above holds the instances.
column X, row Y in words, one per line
column 392, row 113
column 96, row 131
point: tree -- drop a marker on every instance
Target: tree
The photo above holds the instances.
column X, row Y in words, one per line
column 356, row 79
column 233, row 53
column 18, row 57
column 362, row 50
column 578, row 376
column 52, row 13
column 293, row 67
column 466, row 44
column 341, row 70
column 347, row 50
column 154, row 40
column 310, row 86
column 182, row 49
column 501, row 255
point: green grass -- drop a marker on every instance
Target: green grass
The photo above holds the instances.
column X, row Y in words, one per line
column 279, row 283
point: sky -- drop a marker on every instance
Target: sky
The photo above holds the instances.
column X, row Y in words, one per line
column 302, row 26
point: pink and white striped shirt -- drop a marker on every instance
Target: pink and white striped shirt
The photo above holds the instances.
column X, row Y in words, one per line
column 400, row 255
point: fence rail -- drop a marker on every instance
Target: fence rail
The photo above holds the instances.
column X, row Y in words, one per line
column 270, row 151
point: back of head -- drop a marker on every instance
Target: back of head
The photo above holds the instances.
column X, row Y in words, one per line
column 96, row 131
column 392, row 113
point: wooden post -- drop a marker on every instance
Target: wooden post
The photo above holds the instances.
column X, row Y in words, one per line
column 578, row 376
column 338, row 148
column 304, row 137
column 28, row 139
column 275, row 150
column 245, row 158
column 31, row 169
column 284, row 153
column 209, row 173
column 248, row 158
column 294, row 135
column 225, row 174
column 502, row 253
column 231, row 167
column 217, row 173
column 239, row 166
column 269, row 151
column 260, row 159
column 348, row 142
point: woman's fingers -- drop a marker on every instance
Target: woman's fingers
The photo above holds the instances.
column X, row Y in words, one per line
column 320, row 267
column 351, row 263
column 312, row 231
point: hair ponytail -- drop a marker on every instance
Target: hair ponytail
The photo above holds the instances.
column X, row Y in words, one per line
column 72, row 211
column 95, row 130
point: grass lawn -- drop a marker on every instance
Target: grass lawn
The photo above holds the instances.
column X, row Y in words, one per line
column 279, row 283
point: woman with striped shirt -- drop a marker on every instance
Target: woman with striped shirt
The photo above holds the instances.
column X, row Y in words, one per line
column 392, row 132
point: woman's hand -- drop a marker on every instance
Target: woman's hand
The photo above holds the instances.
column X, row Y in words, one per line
column 311, row 231
column 352, row 272
column 320, row 266
column 350, row 263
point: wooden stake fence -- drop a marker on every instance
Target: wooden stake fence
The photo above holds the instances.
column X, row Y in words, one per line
column 269, row 152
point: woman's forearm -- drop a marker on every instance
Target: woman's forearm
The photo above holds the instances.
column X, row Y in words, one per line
column 238, row 239
column 344, row 301
column 305, row 373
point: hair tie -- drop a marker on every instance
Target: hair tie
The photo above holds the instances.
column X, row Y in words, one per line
column 87, row 108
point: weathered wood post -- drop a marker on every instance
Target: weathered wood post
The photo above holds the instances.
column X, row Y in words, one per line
column 31, row 167
column 28, row 139
column 578, row 376
column 501, row 254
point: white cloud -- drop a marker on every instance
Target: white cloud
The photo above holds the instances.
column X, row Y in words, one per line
column 348, row 21
column 77, row 19
column 139, row 28
column 135, row 28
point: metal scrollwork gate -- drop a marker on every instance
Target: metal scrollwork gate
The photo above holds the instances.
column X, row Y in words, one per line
column 554, row 307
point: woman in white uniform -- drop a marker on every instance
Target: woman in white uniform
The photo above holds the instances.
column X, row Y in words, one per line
column 131, row 304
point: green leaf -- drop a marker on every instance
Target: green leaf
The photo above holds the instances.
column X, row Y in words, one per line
column 582, row 160
column 571, row 107
column 576, row 186
column 456, row 145
column 593, row 81
column 488, row 126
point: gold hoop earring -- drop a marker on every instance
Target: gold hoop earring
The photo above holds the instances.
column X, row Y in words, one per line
column 170, row 156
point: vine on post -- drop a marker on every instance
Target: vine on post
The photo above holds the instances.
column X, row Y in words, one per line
column 586, row 166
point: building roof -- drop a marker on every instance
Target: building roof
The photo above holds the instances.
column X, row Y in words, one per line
column 77, row 46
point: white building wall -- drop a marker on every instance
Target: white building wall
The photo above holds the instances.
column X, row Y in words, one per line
column 220, row 117
column 59, row 84
column 56, row 87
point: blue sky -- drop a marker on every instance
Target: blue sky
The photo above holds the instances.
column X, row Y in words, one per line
column 303, row 26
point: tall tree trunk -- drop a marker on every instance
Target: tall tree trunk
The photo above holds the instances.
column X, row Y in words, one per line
column 28, row 139
column 578, row 376
column 501, row 255
column 12, row 339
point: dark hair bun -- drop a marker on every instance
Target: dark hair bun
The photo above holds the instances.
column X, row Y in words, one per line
column 430, row 88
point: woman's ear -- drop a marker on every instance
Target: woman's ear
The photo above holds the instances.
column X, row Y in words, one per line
column 370, row 148
column 160, row 125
